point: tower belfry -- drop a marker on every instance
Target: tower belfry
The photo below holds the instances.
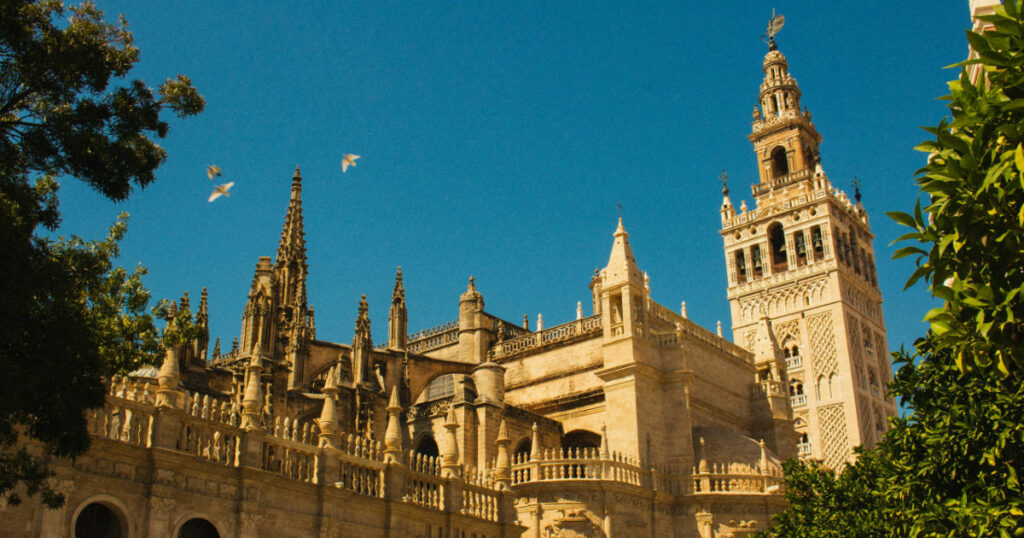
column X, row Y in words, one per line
column 801, row 263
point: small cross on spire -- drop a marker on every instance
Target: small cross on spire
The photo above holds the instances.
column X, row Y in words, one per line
column 723, row 177
column 618, row 205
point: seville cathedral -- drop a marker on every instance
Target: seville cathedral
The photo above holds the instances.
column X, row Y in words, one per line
column 630, row 420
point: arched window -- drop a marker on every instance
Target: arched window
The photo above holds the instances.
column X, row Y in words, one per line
column 821, row 388
column 780, row 164
column 755, row 261
column 817, row 243
column 99, row 520
column 801, row 248
column 840, row 247
column 833, row 386
column 741, row 267
column 777, row 238
column 427, row 446
column 441, row 387
column 198, row 528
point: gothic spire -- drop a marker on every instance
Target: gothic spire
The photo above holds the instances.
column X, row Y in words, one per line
column 398, row 317
column 290, row 267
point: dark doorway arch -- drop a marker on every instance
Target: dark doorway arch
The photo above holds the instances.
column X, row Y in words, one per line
column 98, row 520
column 428, row 446
column 198, row 528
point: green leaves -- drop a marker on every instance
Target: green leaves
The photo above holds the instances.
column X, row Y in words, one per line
column 69, row 318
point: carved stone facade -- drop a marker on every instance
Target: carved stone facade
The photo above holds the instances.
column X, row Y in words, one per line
column 629, row 421
column 802, row 259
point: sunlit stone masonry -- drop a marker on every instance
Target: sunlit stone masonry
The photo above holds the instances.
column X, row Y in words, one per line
column 628, row 421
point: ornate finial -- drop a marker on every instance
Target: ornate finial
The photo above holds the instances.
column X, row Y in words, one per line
column 774, row 25
column 619, row 205
column 472, row 284
column 856, row 188
column 723, row 177
column 298, row 174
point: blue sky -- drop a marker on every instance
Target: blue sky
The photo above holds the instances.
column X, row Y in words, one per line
column 496, row 139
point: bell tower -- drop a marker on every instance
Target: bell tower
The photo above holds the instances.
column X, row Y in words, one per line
column 801, row 261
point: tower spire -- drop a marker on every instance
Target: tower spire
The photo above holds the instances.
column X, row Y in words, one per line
column 785, row 140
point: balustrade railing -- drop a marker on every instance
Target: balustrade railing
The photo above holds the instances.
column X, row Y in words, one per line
column 589, row 465
column 803, row 449
column 793, row 363
column 433, row 338
column 798, row 400
column 736, row 478
column 560, row 333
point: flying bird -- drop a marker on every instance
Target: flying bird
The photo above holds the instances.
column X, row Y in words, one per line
column 212, row 171
column 348, row 160
column 219, row 190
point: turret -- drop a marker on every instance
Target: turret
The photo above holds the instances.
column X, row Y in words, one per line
column 398, row 317
column 201, row 343
column 474, row 327
column 622, row 290
column 785, row 140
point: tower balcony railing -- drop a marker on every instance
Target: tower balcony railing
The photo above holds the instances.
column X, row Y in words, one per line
column 793, row 363
column 798, row 400
column 803, row 450
column 774, row 183
column 767, row 387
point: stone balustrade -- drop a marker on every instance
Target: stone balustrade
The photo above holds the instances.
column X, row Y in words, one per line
column 207, row 428
column 588, row 464
column 434, row 338
column 798, row 400
column 792, row 363
column 565, row 332
column 736, row 479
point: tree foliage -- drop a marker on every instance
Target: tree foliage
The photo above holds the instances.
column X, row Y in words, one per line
column 69, row 319
column 952, row 467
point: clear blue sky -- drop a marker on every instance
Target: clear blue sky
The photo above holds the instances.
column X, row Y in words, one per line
column 496, row 140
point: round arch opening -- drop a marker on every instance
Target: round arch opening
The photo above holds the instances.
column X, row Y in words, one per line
column 428, row 446
column 100, row 520
column 198, row 528
column 523, row 450
column 581, row 439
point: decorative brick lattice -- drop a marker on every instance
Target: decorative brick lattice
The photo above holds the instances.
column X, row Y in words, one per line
column 787, row 330
column 834, row 444
column 786, row 299
column 823, row 344
column 884, row 362
column 853, row 342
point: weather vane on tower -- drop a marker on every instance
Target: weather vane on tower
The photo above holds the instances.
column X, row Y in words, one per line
column 774, row 25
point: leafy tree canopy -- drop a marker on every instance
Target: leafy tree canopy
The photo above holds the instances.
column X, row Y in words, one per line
column 952, row 467
column 69, row 319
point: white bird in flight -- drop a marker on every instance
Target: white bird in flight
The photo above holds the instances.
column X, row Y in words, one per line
column 219, row 190
column 348, row 160
column 212, row 171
